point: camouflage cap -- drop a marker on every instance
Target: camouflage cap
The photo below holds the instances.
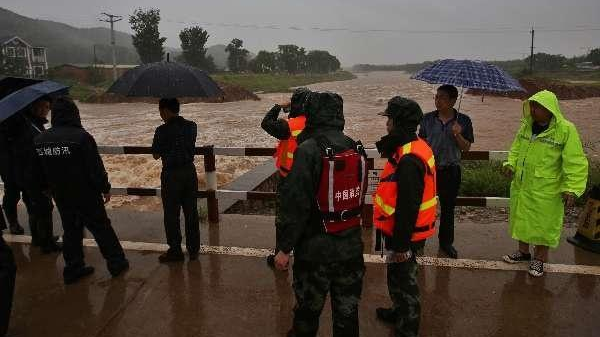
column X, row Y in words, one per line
column 298, row 101
column 403, row 111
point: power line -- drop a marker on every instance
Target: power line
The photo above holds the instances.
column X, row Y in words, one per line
column 112, row 19
column 578, row 28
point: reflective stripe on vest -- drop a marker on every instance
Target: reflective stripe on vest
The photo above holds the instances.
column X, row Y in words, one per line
column 384, row 205
column 284, row 155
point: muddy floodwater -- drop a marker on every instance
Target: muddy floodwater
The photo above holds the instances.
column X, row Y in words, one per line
column 495, row 121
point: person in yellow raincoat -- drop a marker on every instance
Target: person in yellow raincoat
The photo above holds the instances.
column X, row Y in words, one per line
column 549, row 170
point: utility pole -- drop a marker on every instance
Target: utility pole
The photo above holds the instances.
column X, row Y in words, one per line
column 531, row 56
column 112, row 19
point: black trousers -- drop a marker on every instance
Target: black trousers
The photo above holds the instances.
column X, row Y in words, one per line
column 8, row 272
column 40, row 218
column 277, row 207
column 448, row 184
column 3, row 224
column 12, row 194
column 92, row 216
column 178, row 190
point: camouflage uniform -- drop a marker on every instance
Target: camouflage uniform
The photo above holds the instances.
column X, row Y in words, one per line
column 313, row 281
column 410, row 171
column 323, row 263
column 404, row 292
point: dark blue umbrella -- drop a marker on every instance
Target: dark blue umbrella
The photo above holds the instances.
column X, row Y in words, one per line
column 10, row 84
column 165, row 79
column 468, row 74
column 21, row 98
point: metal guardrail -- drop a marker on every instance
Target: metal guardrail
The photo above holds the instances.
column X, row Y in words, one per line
column 212, row 193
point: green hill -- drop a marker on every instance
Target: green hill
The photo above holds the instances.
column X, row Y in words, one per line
column 67, row 44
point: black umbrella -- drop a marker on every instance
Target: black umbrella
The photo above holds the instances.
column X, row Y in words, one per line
column 165, row 79
column 10, row 84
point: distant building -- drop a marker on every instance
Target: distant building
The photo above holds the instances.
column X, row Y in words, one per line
column 13, row 47
column 586, row 66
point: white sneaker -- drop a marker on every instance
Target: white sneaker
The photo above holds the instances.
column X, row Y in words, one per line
column 517, row 257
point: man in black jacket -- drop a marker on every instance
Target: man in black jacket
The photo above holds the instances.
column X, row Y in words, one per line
column 175, row 143
column 70, row 167
column 279, row 128
column 404, row 116
column 8, row 271
column 30, row 125
column 323, row 263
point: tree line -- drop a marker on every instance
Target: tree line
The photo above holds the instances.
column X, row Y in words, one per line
column 287, row 58
column 542, row 62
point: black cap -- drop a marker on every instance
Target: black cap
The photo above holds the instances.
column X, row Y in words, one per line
column 404, row 111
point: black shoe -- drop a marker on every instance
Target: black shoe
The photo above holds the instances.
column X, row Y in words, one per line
column 16, row 229
column 170, row 257
column 271, row 260
column 72, row 276
column 52, row 247
column 450, row 251
column 119, row 268
column 386, row 314
column 193, row 256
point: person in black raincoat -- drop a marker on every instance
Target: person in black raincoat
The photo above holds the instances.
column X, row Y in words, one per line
column 28, row 126
column 9, row 130
column 323, row 263
column 12, row 191
column 71, row 169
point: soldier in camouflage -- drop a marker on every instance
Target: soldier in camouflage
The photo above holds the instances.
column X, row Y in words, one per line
column 323, row 263
column 404, row 116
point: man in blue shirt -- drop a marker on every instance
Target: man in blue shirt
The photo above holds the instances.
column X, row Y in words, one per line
column 449, row 133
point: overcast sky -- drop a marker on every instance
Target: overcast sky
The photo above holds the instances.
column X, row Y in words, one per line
column 360, row 31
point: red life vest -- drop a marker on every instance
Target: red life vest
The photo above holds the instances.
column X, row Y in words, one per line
column 284, row 155
column 384, row 199
column 341, row 188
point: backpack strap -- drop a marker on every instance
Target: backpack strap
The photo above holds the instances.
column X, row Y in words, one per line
column 325, row 145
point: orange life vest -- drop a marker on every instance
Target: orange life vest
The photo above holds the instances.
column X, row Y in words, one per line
column 284, row 156
column 384, row 199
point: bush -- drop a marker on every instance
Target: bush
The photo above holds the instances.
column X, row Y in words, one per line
column 484, row 179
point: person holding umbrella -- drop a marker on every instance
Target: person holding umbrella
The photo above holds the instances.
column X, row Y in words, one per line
column 29, row 124
column 549, row 170
column 449, row 133
column 24, row 106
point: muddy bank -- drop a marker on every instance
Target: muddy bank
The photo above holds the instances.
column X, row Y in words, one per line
column 564, row 91
column 232, row 93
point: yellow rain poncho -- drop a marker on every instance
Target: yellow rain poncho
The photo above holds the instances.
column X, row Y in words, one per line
column 544, row 167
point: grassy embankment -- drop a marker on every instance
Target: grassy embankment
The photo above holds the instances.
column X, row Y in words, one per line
column 252, row 82
column 485, row 179
column 279, row 82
